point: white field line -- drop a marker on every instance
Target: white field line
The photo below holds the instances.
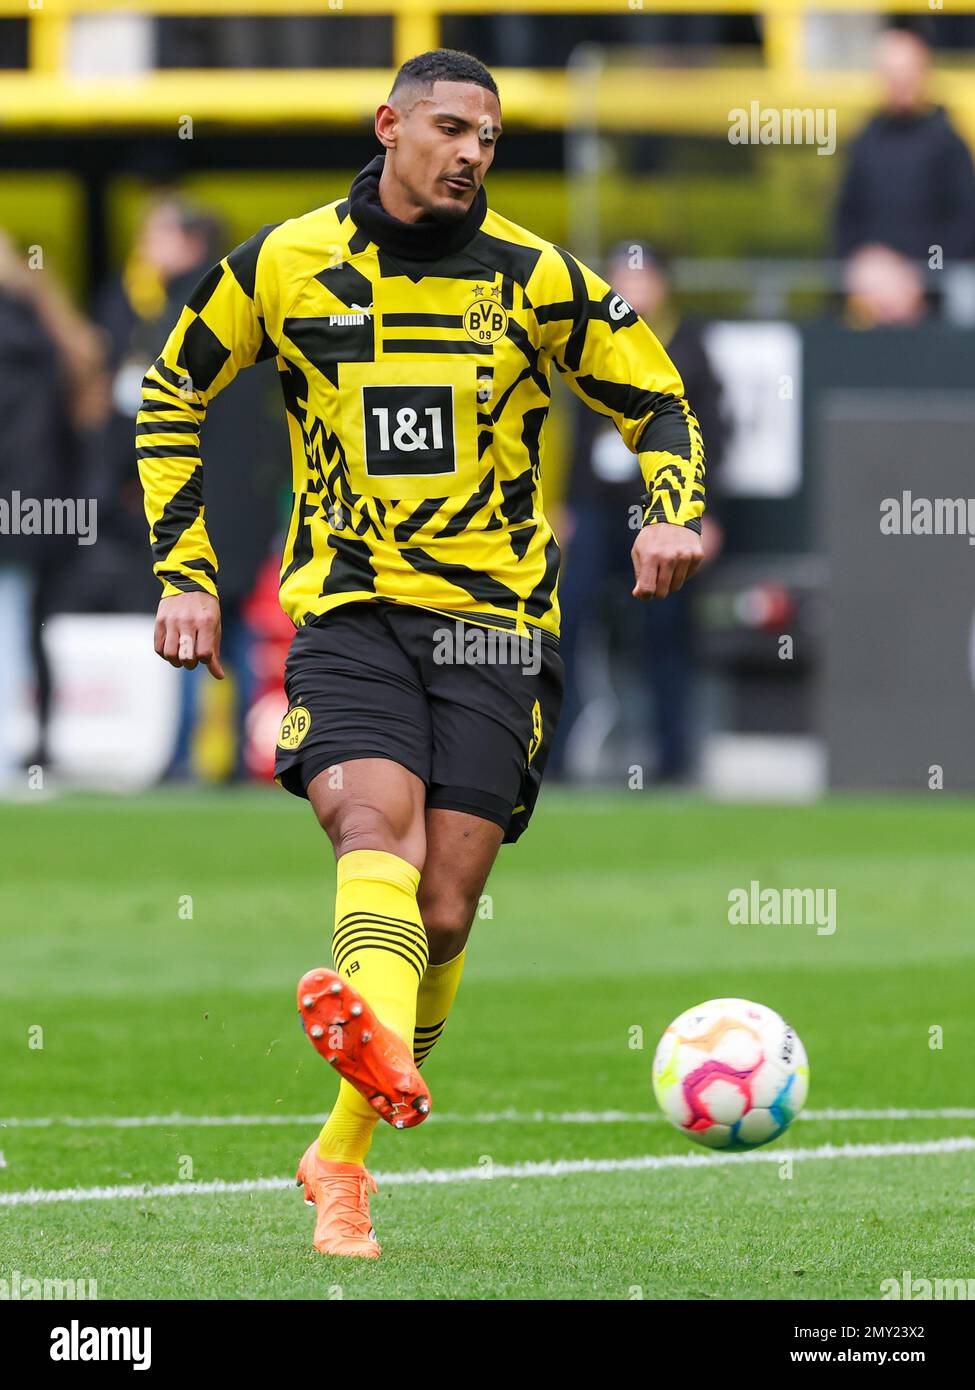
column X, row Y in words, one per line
column 521, row 1117
column 548, row 1168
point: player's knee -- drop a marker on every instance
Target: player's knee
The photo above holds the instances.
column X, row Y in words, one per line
column 447, row 911
column 359, row 826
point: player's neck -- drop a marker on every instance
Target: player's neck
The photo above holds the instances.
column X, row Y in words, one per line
column 413, row 236
column 395, row 199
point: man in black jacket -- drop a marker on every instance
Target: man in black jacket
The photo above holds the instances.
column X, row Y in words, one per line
column 602, row 477
column 909, row 182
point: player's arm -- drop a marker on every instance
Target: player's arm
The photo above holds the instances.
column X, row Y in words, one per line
column 220, row 331
column 615, row 364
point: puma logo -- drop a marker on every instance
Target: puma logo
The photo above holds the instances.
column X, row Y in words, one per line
column 357, row 317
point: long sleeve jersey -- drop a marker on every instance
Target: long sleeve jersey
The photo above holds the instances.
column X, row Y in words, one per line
column 416, row 394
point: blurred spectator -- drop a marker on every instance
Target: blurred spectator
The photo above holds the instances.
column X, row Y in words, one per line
column 174, row 245
column 604, row 485
column 909, row 182
column 242, row 442
column 883, row 289
column 53, row 392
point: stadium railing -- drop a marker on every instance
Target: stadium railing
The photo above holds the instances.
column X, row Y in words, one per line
column 685, row 99
column 769, row 287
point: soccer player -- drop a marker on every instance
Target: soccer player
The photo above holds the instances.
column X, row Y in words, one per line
column 414, row 330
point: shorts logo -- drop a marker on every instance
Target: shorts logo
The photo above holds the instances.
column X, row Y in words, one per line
column 536, row 738
column 294, row 726
column 485, row 321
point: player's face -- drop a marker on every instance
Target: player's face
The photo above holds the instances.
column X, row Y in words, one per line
column 442, row 146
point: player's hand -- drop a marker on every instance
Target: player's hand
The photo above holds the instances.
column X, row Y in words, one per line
column 664, row 556
column 188, row 631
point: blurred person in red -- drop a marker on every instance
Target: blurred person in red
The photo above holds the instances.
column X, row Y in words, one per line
column 593, row 531
column 909, row 182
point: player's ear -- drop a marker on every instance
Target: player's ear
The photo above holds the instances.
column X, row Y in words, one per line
column 387, row 125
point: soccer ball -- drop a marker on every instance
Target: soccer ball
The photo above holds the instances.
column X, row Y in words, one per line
column 730, row 1074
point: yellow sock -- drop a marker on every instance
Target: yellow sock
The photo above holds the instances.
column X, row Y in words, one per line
column 436, row 994
column 380, row 946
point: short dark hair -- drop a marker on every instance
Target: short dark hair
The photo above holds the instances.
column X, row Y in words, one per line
column 443, row 65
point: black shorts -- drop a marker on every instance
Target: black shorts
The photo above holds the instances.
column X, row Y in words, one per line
column 470, row 710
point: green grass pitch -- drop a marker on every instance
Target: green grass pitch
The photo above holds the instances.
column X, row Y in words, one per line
column 610, row 917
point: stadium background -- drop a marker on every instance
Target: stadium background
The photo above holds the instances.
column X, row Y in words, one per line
column 616, row 128
column 617, row 122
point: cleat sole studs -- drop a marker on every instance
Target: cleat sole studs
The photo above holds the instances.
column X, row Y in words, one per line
column 317, row 1030
column 356, row 1010
column 335, row 987
column 367, row 1037
column 307, row 1001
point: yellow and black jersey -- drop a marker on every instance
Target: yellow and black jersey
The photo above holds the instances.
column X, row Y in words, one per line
column 416, row 394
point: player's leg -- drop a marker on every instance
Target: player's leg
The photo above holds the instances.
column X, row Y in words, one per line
column 372, row 810
column 371, row 804
column 375, row 821
column 461, row 849
column 356, row 743
column 492, row 726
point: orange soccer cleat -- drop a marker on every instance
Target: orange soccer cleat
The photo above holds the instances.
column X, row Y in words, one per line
column 371, row 1057
column 340, row 1192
